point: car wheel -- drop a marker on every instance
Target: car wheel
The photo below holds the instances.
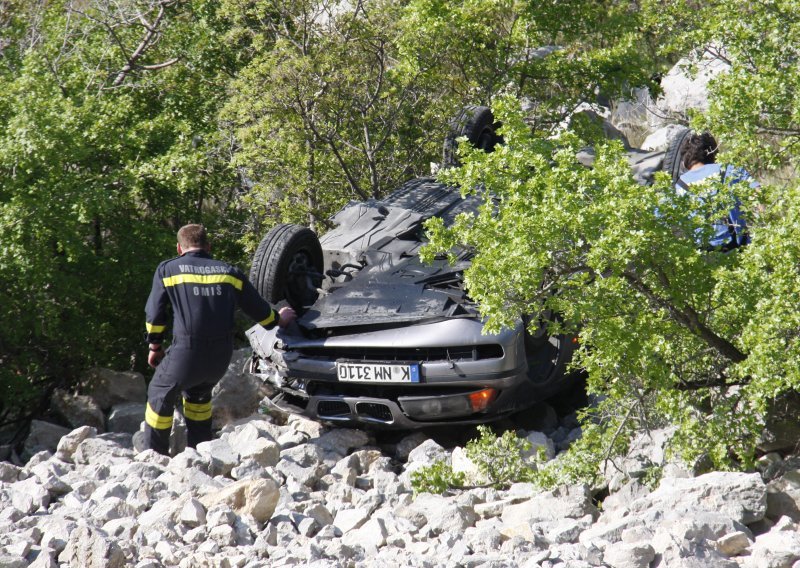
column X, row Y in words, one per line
column 548, row 357
column 288, row 266
column 673, row 158
column 478, row 125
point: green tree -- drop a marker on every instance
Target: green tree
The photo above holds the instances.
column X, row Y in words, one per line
column 108, row 144
column 551, row 55
column 322, row 114
column 669, row 333
column 755, row 106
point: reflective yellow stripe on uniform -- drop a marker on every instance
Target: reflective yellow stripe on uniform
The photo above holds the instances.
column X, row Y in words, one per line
column 197, row 411
column 269, row 319
column 155, row 420
column 203, row 279
column 153, row 328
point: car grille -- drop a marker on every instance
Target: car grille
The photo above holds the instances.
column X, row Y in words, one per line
column 332, row 408
column 460, row 353
column 373, row 410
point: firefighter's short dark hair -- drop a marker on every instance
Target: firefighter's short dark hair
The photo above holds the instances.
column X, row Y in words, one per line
column 192, row 236
column 700, row 148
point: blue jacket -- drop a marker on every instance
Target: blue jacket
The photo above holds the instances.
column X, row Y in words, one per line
column 729, row 232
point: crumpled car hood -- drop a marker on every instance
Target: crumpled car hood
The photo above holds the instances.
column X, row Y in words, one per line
column 393, row 291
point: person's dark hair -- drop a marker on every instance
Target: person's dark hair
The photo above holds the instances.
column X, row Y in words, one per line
column 192, row 236
column 700, row 148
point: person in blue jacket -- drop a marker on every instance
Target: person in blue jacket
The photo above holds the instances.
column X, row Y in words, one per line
column 203, row 293
column 699, row 159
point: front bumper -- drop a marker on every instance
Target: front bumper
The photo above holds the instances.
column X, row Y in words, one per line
column 457, row 362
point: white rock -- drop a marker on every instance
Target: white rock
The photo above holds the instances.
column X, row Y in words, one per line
column 622, row 555
column 346, row 469
column 103, row 449
column 20, row 548
column 740, row 496
column 109, row 387
column 263, row 451
column 733, row 544
column 342, row 440
column 195, row 535
column 427, row 453
column 775, row 549
column 256, row 497
column 305, row 476
column 443, row 515
column 539, row 442
column 88, row 548
column 223, row 535
column 461, row 463
column 123, row 529
column 43, row 436
column 55, row 532
column 407, row 444
column 222, row 456
column 319, row 513
column 193, row 513
column 310, row 428
column 126, row 417
column 110, row 509
column 29, row 495
column 684, row 89
column 166, row 552
column 573, row 501
column 783, row 496
column 349, row 519
column 370, row 536
column 12, row 561
column 69, row 442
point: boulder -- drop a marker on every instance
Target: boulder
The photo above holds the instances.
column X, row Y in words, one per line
column 238, row 394
column 104, row 449
column 539, row 443
column 89, row 548
column 126, row 417
column 444, row 515
column 685, row 87
column 783, row 497
column 739, row 496
column 342, row 440
column 109, row 387
column 255, row 497
column 78, row 410
column 572, row 501
column 69, row 443
column 624, row 555
column 775, row 549
column 43, row 436
column 782, row 428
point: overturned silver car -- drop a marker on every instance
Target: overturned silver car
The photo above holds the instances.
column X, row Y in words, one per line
column 386, row 340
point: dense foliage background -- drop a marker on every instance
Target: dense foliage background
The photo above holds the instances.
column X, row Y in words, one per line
column 122, row 120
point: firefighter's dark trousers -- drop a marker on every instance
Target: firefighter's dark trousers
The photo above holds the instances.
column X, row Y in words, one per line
column 191, row 367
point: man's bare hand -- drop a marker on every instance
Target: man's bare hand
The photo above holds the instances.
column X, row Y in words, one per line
column 286, row 316
column 155, row 357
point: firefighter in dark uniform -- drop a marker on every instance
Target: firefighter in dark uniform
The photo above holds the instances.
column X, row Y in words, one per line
column 203, row 293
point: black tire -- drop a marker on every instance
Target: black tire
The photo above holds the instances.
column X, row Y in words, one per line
column 288, row 266
column 478, row 125
column 673, row 158
column 548, row 357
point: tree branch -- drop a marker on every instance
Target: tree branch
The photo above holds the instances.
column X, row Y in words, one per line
column 688, row 318
column 152, row 31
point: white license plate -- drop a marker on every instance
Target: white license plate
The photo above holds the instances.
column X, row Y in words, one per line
column 377, row 372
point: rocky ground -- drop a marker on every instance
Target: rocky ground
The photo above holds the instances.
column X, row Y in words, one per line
column 279, row 491
column 273, row 490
